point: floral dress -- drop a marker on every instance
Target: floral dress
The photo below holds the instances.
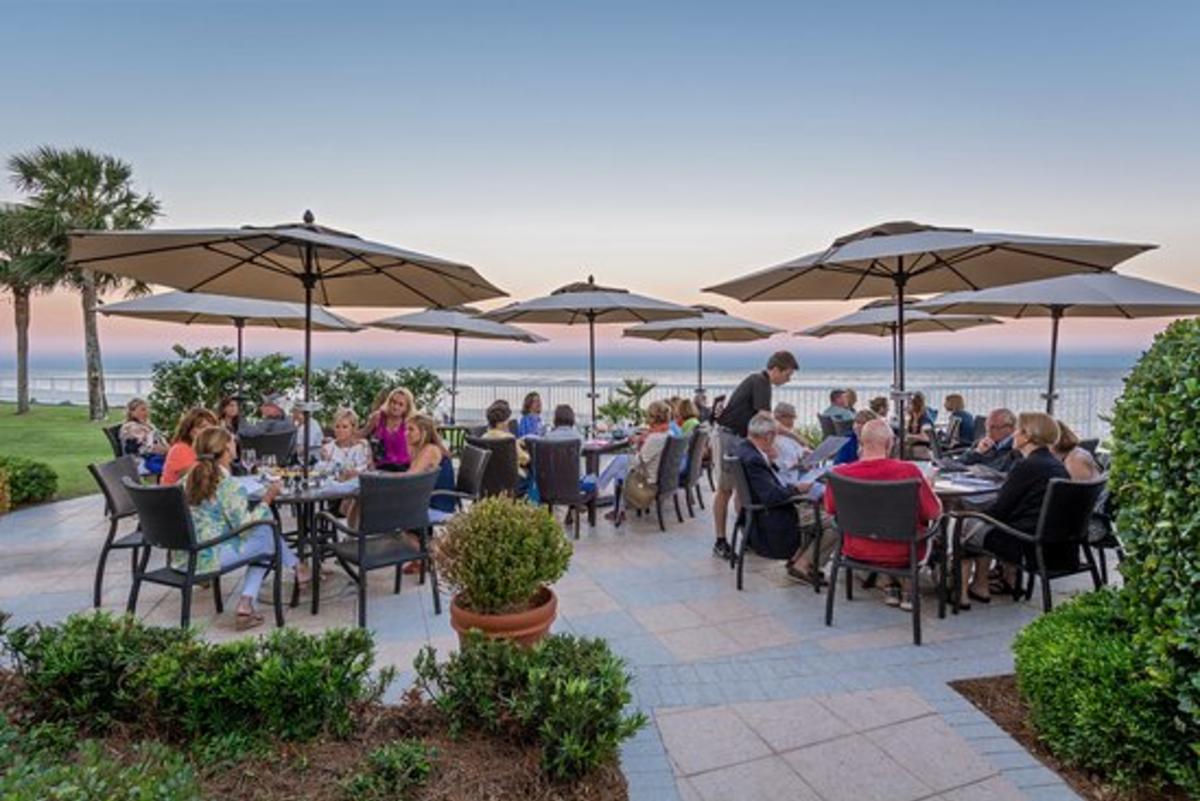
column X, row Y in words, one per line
column 356, row 456
column 227, row 509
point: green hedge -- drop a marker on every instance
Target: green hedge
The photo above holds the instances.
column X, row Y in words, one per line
column 29, row 481
column 1091, row 699
column 1156, row 485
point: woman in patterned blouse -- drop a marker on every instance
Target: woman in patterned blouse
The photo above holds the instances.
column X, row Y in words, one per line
column 220, row 506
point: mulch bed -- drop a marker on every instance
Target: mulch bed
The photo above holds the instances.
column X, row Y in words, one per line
column 998, row 698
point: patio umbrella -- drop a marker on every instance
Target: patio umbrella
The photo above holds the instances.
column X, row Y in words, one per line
column 711, row 323
column 879, row 319
column 459, row 322
column 588, row 302
column 199, row 308
column 292, row 262
column 1102, row 295
column 895, row 258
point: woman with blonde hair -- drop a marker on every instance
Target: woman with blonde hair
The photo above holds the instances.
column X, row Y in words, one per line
column 219, row 506
column 638, row 474
column 957, row 407
column 430, row 453
column 347, row 454
column 182, row 454
column 387, row 431
column 140, row 438
column 1080, row 464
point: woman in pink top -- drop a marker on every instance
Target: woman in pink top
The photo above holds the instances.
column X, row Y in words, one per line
column 387, row 430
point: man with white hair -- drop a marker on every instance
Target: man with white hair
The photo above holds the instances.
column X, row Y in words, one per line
column 788, row 451
column 875, row 463
column 777, row 528
column 995, row 449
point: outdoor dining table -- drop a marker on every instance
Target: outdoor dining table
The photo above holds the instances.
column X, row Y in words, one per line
column 592, row 451
column 956, row 490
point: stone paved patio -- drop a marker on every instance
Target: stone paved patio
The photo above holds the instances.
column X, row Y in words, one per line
column 750, row 694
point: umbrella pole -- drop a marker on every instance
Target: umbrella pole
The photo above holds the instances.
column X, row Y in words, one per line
column 592, row 364
column 901, row 279
column 240, row 324
column 699, row 362
column 895, row 357
column 309, row 281
column 1056, row 313
column 454, row 383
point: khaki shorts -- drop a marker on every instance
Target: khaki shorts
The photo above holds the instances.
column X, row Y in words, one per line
column 724, row 443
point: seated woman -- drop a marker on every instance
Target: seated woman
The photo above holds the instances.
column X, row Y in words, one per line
column 387, row 431
column 919, row 426
column 498, row 415
column 966, row 421
column 564, row 428
column 346, row 455
column 638, row 474
column 229, row 413
column 430, row 453
column 182, row 454
column 1018, row 504
column 530, row 424
column 140, row 438
column 1080, row 464
column 879, row 405
column 219, row 506
column 848, row 453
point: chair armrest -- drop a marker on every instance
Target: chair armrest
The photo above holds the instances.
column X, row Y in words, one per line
column 445, row 493
column 338, row 524
column 991, row 521
column 237, row 532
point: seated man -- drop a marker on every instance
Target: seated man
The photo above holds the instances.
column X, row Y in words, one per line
column 271, row 418
column 789, row 453
column 875, row 464
column 995, row 450
column 849, row 451
column 839, row 406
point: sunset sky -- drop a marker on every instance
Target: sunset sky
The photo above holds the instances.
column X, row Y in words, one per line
column 662, row 147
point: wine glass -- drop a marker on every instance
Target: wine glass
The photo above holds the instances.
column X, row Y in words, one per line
column 249, row 460
column 269, row 461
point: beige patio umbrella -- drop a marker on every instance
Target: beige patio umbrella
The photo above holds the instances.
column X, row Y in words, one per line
column 710, row 323
column 1101, row 295
column 879, row 319
column 459, row 322
column 292, row 262
column 896, row 258
column 588, row 302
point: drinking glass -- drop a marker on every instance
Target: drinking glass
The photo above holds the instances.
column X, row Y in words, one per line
column 269, row 461
column 249, row 460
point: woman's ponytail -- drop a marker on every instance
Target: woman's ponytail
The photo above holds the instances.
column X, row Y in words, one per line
column 205, row 475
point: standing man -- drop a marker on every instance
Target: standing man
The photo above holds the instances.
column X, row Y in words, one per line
column 752, row 396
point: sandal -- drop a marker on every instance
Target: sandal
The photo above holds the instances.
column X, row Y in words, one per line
column 248, row 620
column 974, row 596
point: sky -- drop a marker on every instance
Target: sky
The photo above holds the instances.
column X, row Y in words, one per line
column 661, row 147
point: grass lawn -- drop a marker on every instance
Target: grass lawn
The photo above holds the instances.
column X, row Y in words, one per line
column 60, row 436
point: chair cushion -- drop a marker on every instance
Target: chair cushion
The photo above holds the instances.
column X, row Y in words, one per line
column 131, row 540
column 175, row 578
column 382, row 551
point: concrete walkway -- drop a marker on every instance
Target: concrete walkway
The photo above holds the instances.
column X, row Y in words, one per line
column 751, row 695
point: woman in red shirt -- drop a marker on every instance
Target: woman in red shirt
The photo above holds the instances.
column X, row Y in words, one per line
column 182, row 455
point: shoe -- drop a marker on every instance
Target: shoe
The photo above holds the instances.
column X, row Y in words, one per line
column 891, row 595
column 805, row 576
column 721, row 549
column 974, row 596
column 906, row 605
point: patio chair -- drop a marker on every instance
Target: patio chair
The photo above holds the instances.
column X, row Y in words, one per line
column 118, row 506
column 827, row 427
column 1090, row 445
column 113, row 435
column 390, row 504
column 556, row 468
column 468, row 483
column 166, row 523
column 690, row 479
column 502, row 474
column 668, row 478
column 980, row 428
column 1102, row 533
column 843, row 428
column 747, row 521
column 885, row 511
column 1067, row 509
column 276, row 443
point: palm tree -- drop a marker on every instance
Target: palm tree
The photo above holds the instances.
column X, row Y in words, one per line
column 78, row 188
column 17, row 248
column 633, row 390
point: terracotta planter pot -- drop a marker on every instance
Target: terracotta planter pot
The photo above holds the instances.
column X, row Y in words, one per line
column 525, row 627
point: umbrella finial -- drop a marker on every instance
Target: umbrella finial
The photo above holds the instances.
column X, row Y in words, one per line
column 591, row 279
column 309, row 218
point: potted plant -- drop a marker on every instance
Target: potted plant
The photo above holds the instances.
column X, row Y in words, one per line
column 499, row 558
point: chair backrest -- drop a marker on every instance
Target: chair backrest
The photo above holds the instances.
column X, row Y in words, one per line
column 472, row 462
column 476, row 430
column 110, row 475
column 1067, row 509
column 741, row 483
column 878, row 510
column 1090, row 445
column 502, row 472
column 163, row 515
column 695, row 460
column 936, row 445
column 453, row 437
column 668, row 465
column 275, row 443
column 113, row 435
column 391, row 502
column 827, row 429
column 952, row 429
column 980, row 427
column 842, row 427
column 557, row 469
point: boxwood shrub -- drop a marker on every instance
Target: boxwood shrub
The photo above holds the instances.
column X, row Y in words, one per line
column 29, row 481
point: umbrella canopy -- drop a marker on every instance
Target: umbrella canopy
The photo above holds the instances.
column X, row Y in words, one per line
column 898, row 257
column 458, row 322
column 588, row 302
column 1101, row 295
column 283, row 262
column 879, row 319
column 710, row 323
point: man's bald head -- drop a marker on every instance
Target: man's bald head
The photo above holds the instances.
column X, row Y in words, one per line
column 875, row 440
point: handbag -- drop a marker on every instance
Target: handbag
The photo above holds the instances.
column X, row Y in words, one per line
column 638, row 491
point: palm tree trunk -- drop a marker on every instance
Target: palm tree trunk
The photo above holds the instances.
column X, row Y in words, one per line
column 97, row 403
column 21, row 317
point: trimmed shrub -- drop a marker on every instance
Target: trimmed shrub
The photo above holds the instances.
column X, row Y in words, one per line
column 391, row 772
column 569, row 694
column 1091, row 700
column 349, row 386
column 29, row 481
column 499, row 552
column 5, row 496
column 1155, row 465
column 155, row 772
column 201, row 377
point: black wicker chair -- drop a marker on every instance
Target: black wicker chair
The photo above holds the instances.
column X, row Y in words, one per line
column 557, row 471
column 468, row 483
column 502, row 474
column 118, row 506
column 113, row 435
column 276, row 443
column 695, row 467
column 668, row 478
column 827, row 428
column 885, row 511
column 166, row 522
column 390, row 504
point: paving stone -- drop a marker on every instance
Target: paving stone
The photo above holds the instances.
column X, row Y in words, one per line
column 769, row 779
column 870, row 709
column 690, row 645
column 704, row 739
column 994, row 788
column 932, row 750
column 854, row 769
column 1060, row 792
column 764, row 631
column 667, row 617
column 1032, row 777
column 686, row 791
column 791, row 724
column 723, row 609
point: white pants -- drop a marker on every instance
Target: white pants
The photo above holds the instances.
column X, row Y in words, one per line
column 616, row 470
column 260, row 541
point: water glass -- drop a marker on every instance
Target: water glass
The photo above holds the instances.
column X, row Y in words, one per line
column 269, row 461
column 249, row 460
